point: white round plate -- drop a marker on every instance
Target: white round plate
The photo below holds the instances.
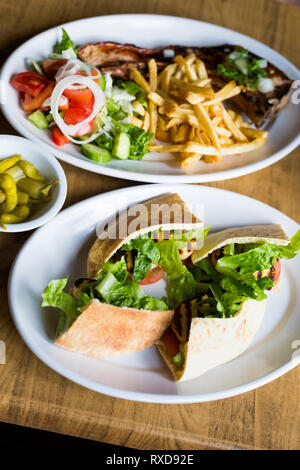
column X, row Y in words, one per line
column 152, row 31
column 143, row 376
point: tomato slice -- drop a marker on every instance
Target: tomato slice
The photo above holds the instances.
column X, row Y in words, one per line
column 75, row 115
column 93, row 72
column 29, row 82
column 31, row 103
column 277, row 269
column 171, row 342
column 51, row 66
column 83, row 99
column 154, row 275
column 58, row 137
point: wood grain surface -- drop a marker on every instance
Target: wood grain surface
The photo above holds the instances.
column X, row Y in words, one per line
column 33, row 395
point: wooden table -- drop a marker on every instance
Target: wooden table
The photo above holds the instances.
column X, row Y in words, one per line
column 33, row 395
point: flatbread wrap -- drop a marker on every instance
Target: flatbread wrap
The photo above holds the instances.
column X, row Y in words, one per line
column 104, row 330
column 236, row 267
column 109, row 313
column 156, row 217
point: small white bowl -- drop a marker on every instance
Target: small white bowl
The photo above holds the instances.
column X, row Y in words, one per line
column 50, row 169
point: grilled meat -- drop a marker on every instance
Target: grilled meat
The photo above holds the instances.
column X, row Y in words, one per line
column 181, row 322
column 78, row 285
column 259, row 107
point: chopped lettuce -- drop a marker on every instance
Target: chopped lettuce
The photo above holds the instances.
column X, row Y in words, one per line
column 53, row 296
column 133, row 89
column 127, row 294
column 183, row 286
column 118, row 269
column 111, row 287
column 258, row 257
column 179, row 360
column 105, row 142
column 148, row 253
column 65, row 43
column 232, row 280
column 139, row 139
column 193, row 234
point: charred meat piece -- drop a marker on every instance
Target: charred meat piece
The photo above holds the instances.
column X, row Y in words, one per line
column 78, row 285
column 273, row 273
column 258, row 106
column 105, row 53
column 181, row 322
column 129, row 258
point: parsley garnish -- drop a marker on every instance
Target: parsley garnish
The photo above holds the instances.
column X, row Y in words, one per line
column 230, row 69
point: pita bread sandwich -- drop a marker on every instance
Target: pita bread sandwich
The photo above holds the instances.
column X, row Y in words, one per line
column 109, row 313
column 166, row 217
column 235, row 268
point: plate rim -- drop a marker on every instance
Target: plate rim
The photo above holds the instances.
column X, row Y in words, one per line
column 127, row 394
column 153, row 177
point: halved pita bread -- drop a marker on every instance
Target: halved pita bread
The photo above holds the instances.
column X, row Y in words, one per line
column 102, row 249
column 247, row 234
column 214, row 341
column 104, row 330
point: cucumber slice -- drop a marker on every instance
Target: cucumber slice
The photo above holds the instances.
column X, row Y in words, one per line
column 102, row 82
column 38, row 118
column 95, row 153
column 121, row 146
column 107, row 284
column 49, row 118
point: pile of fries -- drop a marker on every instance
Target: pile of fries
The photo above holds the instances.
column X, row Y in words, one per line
column 189, row 116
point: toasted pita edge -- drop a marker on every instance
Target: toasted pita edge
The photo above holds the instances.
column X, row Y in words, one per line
column 272, row 233
column 103, row 248
column 104, row 330
column 215, row 341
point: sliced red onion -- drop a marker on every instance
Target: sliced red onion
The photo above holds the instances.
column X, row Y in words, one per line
column 63, row 101
column 72, row 66
column 67, row 83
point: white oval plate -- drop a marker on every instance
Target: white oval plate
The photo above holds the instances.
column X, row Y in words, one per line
column 151, row 31
column 143, row 376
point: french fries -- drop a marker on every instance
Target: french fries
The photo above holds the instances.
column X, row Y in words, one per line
column 188, row 115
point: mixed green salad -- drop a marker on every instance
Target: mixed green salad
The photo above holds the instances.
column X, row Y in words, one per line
column 79, row 104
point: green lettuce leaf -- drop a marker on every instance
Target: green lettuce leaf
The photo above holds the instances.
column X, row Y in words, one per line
column 118, row 269
column 133, row 89
column 257, row 259
column 142, row 266
column 139, row 139
column 53, row 296
column 127, row 294
column 105, row 142
column 148, row 253
column 289, row 251
column 65, row 43
column 183, row 286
